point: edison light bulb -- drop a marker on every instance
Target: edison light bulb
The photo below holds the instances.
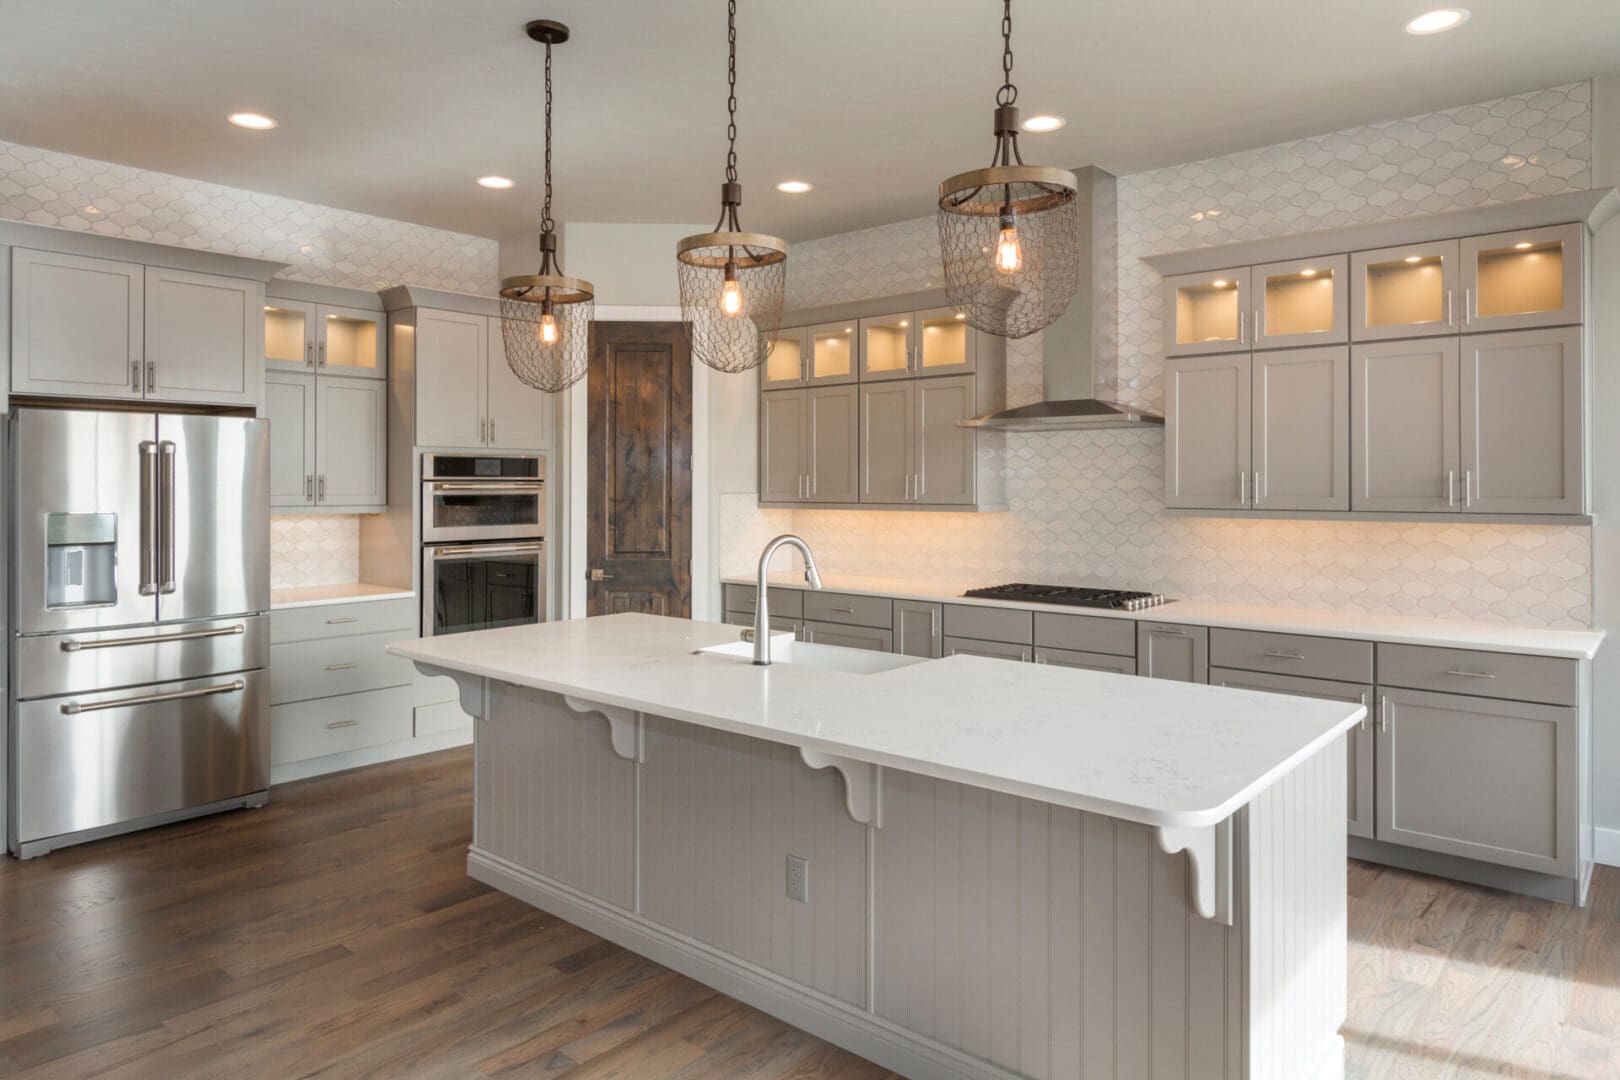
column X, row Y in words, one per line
column 548, row 329
column 731, row 298
column 1009, row 256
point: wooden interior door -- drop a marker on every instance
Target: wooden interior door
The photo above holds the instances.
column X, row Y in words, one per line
column 639, row 476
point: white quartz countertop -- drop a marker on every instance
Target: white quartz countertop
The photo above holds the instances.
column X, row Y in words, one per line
column 1402, row 629
column 1157, row 752
column 313, row 595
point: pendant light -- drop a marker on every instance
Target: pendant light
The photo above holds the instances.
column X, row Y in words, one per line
column 732, row 282
column 545, row 316
column 1009, row 235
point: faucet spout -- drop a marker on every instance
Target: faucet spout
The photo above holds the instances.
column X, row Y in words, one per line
column 762, row 614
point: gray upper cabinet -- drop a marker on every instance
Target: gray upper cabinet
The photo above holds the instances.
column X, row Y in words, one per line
column 1301, row 420
column 77, row 325
column 1480, row 778
column 887, row 345
column 944, row 468
column 450, row 385
column 350, row 443
column 1207, row 313
column 1301, row 303
column 1404, row 418
column 888, row 443
column 832, row 426
column 1522, row 422
column 1166, row 651
column 289, row 334
column 821, row 355
column 1207, row 432
column 289, row 405
column 1404, row 292
column 350, row 341
column 944, row 343
column 786, row 366
column 203, row 338
column 783, row 421
column 519, row 415
column 918, row 626
column 1519, row 280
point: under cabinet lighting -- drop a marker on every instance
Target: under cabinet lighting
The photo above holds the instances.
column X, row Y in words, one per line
column 1437, row 21
column 1307, row 273
column 252, row 121
column 1523, row 245
column 1220, row 283
column 498, row 183
column 1414, row 258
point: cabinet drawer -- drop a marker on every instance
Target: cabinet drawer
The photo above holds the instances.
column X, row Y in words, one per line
column 789, row 602
column 873, row 639
column 342, row 620
column 440, row 718
column 1549, row 679
column 1090, row 661
column 312, row 729
column 999, row 650
column 989, row 624
column 1086, row 633
column 1292, row 654
column 851, row 610
column 778, row 622
column 301, row 670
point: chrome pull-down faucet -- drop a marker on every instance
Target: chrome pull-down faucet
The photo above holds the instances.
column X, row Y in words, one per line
column 762, row 615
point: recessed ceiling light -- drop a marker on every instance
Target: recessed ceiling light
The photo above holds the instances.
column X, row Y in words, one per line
column 1437, row 21
column 1044, row 122
column 499, row 183
column 252, row 121
column 793, row 187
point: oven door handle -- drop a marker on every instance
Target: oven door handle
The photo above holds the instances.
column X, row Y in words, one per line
column 460, row 550
column 525, row 488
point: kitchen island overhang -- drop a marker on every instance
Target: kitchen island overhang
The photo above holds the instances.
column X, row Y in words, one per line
column 623, row 771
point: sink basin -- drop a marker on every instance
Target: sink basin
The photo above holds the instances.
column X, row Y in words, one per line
column 785, row 650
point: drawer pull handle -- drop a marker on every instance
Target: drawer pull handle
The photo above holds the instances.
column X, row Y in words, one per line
column 843, row 610
column 1472, row 674
column 1279, row 654
column 343, row 619
column 341, row 667
column 73, row 708
column 72, row 645
column 335, row 724
column 1168, row 633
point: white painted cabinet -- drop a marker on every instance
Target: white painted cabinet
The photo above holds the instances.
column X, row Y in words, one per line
column 519, row 415
column 77, row 325
column 466, row 395
column 350, row 443
column 289, row 405
column 203, row 336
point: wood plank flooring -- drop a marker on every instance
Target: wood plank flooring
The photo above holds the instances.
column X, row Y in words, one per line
column 335, row 933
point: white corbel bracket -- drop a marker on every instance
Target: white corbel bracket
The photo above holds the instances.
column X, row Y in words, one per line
column 863, row 784
column 1209, row 853
column 470, row 688
column 624, row 726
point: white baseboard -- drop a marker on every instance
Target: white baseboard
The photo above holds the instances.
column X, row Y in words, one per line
column 370, row 755
column 1606, row 846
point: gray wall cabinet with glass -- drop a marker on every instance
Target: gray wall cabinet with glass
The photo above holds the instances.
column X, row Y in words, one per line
column 302, row 335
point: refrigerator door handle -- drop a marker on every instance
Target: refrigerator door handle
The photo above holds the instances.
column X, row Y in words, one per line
column 166, row 528
column 149, row 518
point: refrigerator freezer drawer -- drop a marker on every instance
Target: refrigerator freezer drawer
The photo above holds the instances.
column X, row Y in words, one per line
column 95, row 660
column 87, row 761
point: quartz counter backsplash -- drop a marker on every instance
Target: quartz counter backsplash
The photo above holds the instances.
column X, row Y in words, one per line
column 314, row 549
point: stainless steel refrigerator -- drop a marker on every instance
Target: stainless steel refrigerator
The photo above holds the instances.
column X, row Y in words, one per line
column 140, row 591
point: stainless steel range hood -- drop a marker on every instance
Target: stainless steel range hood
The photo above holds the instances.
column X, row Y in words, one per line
column 1081, row 350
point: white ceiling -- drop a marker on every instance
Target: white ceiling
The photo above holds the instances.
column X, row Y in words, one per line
column 393, row 107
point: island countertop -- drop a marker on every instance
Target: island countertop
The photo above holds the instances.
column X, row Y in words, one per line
column 1161, row 753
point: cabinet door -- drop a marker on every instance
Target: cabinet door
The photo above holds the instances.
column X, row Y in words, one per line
column 833, row 431
column 1359, row 753
column 1207, row 422
column 451, row 350
column 887, row 442
column 917, row 629
column 1165, row 651
column 1088, row 661
column 519, row 415
column 996, row 650
column 848, row 637
column 77, row 325
column 946, row 344
column 1523, row 422
column 1301, row 429
column 289, row 405
column 351, row 442
column 203, row 338
column 786, row 365
column 1485, row 779
column 352, row 341
column 1404, row 292
column 833, row 349
column 783, row 436
column 289, row 335
column 1403, row 426
column 1301, row 303
column 945, row 467
column 886, row 346
column 1513, row 281
column 1207, row 313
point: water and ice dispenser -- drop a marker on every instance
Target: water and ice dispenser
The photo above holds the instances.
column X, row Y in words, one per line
column 81, row 560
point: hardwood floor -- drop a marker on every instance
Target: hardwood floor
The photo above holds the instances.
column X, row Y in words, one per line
column 336, row 933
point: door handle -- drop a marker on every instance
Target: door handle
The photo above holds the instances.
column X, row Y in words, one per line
column 151, row 375
column 73, row 708
column 843, row 610
column 320, row 488
column 342, row 667
column 309, row 486
column 1468, row 306
column 166, row 453
column 135, row 375
column 1243, row 488
column 321, row 362
column 600, row 575
column 1468, row 487
column 149, row 516
column 1278, row 654
column 1256, row 320
column 457, row 550
column 73, row 645
column 492, row 429
column 342, row 619
column 335, row 724
column 1451, row 316
column 1164, row 632
column 483, row 430
column 908, row 487
column 309, row 353
column 1383, row 715
column 1451, row 487
column 1473, row 674
column 1259, row 487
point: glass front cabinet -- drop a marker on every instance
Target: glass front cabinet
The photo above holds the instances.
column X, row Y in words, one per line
column 821, row 355
column 1404, row 292
column 303, row 336
column 1207, row 313
column 1301, row 303
column 1522, row 280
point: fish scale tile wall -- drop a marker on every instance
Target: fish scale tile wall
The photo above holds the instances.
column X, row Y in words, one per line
column 1087, row 506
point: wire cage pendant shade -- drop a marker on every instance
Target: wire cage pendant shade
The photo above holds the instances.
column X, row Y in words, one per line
column 732, row 283
column 1009, row 235
column 546, row 316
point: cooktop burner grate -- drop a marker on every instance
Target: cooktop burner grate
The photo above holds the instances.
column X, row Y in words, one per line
column 1070, row 595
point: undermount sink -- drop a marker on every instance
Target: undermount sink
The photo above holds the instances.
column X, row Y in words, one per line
column 785, row 650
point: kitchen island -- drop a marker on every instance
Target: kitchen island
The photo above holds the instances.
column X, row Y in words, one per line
column 1007, row 870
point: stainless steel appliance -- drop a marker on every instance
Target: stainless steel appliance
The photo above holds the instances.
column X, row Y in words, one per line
column 483, row 533
column 1070, row 596
column 139, row 583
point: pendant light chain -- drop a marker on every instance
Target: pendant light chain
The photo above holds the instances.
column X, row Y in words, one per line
column 546, row 224
column 1008, row 94
column 728, row 211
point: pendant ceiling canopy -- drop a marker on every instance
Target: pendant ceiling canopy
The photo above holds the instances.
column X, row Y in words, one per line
column 1009, row 235
column 732, row 282
column 546, row 316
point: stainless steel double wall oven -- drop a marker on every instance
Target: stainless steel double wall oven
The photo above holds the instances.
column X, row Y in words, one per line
column 483, row 542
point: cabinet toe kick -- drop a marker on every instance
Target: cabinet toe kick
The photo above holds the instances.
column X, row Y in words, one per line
column 863, row 784
column 1209, row 853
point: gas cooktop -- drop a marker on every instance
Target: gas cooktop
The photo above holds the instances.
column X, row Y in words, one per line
column 1070, row 595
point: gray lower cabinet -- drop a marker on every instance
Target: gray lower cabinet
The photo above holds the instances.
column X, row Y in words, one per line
column 918, row 629
column 1480, row 778
column 1301, row 419
column 778, row 622
column 1167, row 651
column 1090, row 661
column 999, row 650
column 1403, row 426
column 1522, row 422
column 873, row 639
column 1207, row 421
column 1359, row 751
